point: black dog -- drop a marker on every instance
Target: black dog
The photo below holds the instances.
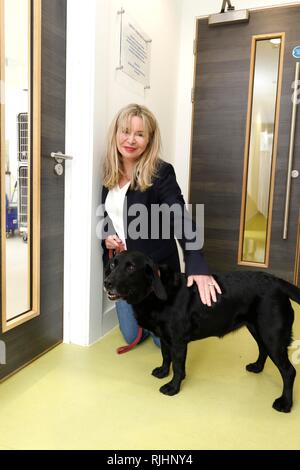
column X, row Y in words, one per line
column 174, row 312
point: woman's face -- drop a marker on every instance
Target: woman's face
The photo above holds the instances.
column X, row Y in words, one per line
column 132, row 141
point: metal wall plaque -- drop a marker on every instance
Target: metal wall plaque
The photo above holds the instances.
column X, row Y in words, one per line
column 135, row 50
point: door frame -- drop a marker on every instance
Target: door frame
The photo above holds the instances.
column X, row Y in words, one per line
column 86, row 96
column 35, row 337
column 34, row 163
column 247, row 149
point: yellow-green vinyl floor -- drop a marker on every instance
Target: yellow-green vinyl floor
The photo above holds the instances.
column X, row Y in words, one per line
column 91, row 398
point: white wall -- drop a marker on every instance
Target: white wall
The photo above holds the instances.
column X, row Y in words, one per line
column 95, row 92
column 191, row 9
column 79, row 197
column 160, row 20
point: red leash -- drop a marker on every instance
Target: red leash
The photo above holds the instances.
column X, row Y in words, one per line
column 124, row 349
column 128, row 347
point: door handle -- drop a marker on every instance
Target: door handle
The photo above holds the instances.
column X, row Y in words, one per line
column 59, row 157
column 291, row 154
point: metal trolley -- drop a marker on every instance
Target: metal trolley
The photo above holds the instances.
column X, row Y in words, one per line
column 22, row 126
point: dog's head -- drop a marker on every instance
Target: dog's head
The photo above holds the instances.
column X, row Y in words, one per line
column 132, row 276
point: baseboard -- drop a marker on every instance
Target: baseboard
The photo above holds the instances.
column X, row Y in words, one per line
column 110, row 320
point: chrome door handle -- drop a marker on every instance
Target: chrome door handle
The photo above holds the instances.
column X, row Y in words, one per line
column 59, row 156
column 291, row 154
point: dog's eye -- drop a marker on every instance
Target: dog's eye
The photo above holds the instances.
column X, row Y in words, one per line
column 112, row 265
column 130, row 267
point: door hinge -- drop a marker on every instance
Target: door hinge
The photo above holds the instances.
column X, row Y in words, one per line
column 195, row 46
column 193, row 95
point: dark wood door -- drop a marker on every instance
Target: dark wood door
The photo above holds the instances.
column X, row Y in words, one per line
column 32, row 338
column 219, row 133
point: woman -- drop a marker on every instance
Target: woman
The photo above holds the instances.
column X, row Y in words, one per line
column 133, row 169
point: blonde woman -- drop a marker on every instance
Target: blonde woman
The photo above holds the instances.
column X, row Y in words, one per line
column 134, row 172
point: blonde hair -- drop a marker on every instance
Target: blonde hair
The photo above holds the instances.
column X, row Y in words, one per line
column 147, row 164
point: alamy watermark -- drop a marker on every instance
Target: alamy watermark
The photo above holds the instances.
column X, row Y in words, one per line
column 161, row 222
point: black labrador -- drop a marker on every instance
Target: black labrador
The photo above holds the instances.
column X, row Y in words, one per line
column 174, row 312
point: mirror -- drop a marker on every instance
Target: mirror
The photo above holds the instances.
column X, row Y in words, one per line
column 260, row 151
column 18, row 253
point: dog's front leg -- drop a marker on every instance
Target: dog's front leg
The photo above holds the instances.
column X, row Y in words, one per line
column 178, row 357
column 163, row 371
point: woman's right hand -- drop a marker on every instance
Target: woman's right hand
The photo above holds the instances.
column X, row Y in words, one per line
column 113, row 242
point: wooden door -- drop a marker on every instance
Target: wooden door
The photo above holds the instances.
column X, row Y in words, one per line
column 39, row 327
column 226, row 81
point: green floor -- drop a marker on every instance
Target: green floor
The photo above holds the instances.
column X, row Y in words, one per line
column 91, row 398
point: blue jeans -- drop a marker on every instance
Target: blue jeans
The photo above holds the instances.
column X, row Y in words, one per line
column 128, row 324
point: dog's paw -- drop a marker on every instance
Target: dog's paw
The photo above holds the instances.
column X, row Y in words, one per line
column 282, row 404
column 169, row 389
column 254, row 367
column 160, row 372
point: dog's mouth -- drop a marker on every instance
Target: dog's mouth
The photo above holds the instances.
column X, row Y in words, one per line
column 113, row 296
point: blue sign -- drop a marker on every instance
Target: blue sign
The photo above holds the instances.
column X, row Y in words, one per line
column 296, row 52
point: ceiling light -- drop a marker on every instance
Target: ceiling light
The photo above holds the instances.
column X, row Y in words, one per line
column 275, row 41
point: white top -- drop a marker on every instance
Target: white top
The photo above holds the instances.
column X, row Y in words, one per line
column 114, row 204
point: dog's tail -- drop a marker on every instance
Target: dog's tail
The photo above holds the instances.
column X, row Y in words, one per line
column 292, row 291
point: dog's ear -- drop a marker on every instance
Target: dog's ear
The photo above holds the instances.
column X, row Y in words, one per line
column 152, row 272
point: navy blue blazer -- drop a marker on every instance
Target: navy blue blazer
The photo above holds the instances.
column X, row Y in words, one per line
column 165, row 190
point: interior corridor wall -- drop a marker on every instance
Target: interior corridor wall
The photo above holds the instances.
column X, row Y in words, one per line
column 95, row 92
column 160, row 20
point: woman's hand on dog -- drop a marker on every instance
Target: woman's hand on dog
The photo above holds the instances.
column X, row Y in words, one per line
column 207, row 287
